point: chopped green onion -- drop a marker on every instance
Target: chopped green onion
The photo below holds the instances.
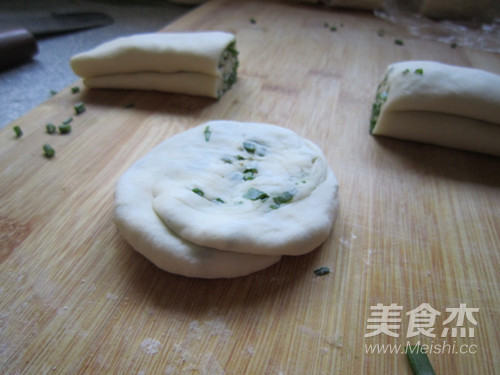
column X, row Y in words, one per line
column 419, row 71
column 199, row 192
column 75, row 89
column 207, row 133
column 254, row 194
column 249, row 174
column 65, row 128
column 322, row 271
column 286, row 197
column 239, row 157
column 219, row 200
column 68, row 120
column 53, row 92
column 51, row 128
column 326, row 24
column 398, row 42
column 48, row 151
column 18, row 131
column 381, row 32
column 249, row 147
column 454, row 45
column 227, row 160
column 333, row 28
column 79, row 108
column 419, row 362
column 252, row 21
column 406, row 71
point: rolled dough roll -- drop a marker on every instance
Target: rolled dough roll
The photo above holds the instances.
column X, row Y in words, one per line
column 441, row 104
column 196, row 63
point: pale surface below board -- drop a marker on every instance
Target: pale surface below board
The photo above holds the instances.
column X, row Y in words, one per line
column 417, row 224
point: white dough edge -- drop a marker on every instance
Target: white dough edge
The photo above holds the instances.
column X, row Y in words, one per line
column 180, row 83
column 162, row 52
column 447, row 105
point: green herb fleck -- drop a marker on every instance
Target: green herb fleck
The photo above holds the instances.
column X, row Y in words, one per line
column 419, row 71
column 252, row 21
column 199, row 192
column 398, row 42
column 53, row 92
column 381, row 32
column 227, row 160
column 406, row 71
column 65, row 128
column 419, row 362
column 321, row 271
column 48, row 151
column 18, row 131
column 207, row 133
column 326, row 25
column 454, row 45
column 79, row 108
column 249, row 174
column 286, row 197
column 333, row 28
column 219, row 200
column 51, row 128
column 239, row 157
column 68, row 120
column 254, row 194
column 75, row 90
column 249, row 147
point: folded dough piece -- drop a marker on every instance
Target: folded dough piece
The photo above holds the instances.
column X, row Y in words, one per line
column 172, row 62
column 441, row 104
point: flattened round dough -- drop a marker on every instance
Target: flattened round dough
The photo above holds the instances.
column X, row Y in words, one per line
column 186, row 205
column 238, row 160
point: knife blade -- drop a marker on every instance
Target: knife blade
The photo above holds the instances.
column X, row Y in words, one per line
column 56, row 22
column 17, row 33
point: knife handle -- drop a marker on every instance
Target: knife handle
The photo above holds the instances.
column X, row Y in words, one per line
column 16, row 46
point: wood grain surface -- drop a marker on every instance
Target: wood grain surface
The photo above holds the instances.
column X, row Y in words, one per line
column 418, row 224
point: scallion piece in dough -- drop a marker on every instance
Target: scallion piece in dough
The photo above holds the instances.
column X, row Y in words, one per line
column 286, row 197
column 255, row 194
column 249, row 147
column 51, row 128
column 18, row 131
column 79, row 108
column 207, row 133
column 199, row 192
column 48, row 151
column 419, row 71
column 398, row 42
column 75, row 89
column 419, row 362
column 249, row 174
column 321, row 271
column 68, row 120
column 406, row 71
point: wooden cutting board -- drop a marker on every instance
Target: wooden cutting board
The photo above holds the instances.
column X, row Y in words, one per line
column 417, row 224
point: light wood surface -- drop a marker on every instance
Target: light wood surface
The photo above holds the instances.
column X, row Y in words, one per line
column 417, row 223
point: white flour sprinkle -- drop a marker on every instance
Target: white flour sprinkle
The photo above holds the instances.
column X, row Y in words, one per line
column 151, row 346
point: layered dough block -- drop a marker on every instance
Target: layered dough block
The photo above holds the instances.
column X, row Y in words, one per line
column 226, row 199
column 194, row 63
column 440, row 104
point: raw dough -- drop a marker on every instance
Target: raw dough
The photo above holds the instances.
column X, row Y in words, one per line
column 440, row 104
column 224, row 170
column 161, row 61
column 165, row 188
